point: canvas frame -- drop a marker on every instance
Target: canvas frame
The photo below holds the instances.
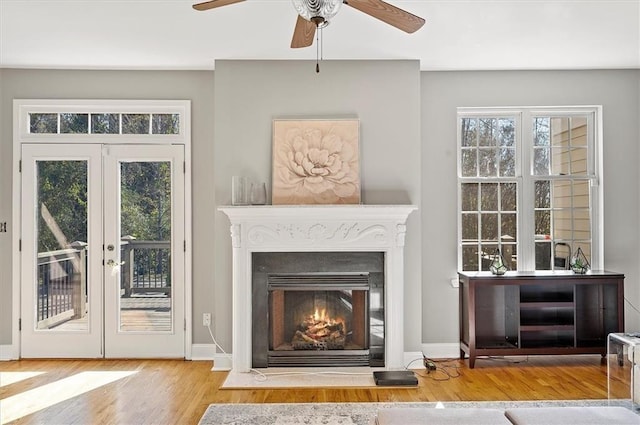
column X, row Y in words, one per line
column 316, row 161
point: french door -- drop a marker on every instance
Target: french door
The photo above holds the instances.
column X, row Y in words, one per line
column 102, row 265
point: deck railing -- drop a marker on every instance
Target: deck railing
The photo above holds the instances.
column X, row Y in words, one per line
column 62, row 277
column 62, row 285
column 146, row 266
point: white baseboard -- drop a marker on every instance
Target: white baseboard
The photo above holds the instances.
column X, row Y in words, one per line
column 412, row 359
column 8, row 352
column 203, row 352
column 223, row 361
column 442, row 350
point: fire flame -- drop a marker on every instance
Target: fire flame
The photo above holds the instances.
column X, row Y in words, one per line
column 321, row 316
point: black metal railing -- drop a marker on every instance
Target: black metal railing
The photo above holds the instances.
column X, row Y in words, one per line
column 62, row 285
column 146, row 266
column 62, row 277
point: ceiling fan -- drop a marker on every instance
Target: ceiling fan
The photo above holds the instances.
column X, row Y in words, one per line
column 316, row 14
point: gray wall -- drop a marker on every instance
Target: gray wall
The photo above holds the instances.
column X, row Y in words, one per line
column 196, row 86
column 408, row 146
column 384, row 95
column 442, row 92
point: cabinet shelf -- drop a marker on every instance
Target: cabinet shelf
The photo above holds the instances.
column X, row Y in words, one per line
column 546, row 294
column 495, row 344
column 524, row 313
column 546, row 328
column 547, row 317
column 546, row 304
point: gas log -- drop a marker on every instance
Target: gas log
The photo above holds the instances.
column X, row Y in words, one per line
column 319, row 334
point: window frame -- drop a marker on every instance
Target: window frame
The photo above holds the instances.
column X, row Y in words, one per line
column 24, row 107
column 525, row 178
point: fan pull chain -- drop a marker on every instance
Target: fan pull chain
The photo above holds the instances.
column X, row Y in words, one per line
column 318, row 49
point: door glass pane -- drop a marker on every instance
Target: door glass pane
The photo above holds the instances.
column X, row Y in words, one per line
column 145, row 247
column 62, row 207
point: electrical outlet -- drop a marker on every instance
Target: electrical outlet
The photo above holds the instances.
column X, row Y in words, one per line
column 455, row 283
column 206, row 319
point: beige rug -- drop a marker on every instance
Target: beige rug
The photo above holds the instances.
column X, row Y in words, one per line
column 350, row 413
column 304, row 377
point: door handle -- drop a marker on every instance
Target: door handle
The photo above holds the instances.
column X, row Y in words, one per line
column 112, row 263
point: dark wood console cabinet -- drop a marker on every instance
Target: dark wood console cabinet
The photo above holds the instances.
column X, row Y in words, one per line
column 528, row 313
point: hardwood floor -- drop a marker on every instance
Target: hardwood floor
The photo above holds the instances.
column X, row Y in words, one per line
column 178, row 392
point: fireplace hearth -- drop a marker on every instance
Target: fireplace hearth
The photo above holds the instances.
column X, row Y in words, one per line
column 318, row 309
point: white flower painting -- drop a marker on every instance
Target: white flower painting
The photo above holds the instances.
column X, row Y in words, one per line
column 316, row 162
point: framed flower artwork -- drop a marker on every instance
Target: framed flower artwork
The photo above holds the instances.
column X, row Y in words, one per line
column 316, row 162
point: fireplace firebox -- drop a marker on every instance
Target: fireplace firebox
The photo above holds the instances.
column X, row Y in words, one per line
column 318, row 309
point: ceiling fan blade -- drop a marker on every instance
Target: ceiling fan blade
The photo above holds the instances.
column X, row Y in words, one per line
column 212, row 4
column 303, row 33
column 392, row 15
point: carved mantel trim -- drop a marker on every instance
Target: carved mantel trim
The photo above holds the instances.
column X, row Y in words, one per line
column 279, row 228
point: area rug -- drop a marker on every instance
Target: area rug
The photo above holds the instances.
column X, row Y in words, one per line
column 352, row 413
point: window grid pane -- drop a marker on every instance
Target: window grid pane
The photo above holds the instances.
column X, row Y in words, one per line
column 135, row 124
column 43, row 123
column 488, row 147
column 564, row 220
column 165, row 124
column 560, row 146
column 74, row 123
column 489, row 222
column 105, row 123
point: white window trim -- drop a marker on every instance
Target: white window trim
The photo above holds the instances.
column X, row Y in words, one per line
column 523, row 115
column 21, row 135
column 22, row 108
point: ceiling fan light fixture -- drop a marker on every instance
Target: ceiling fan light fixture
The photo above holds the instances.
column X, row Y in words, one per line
column 319, row 12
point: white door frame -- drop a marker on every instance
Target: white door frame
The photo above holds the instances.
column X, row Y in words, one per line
column 21, row 135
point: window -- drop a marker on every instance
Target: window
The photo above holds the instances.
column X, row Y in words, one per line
column 529, row 186
column 71, row 121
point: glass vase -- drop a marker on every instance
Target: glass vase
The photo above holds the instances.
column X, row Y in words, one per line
column 258, row 194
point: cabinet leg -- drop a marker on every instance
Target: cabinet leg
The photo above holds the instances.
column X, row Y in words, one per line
column 472, row 361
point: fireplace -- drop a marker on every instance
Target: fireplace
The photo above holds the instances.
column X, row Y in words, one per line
column 339, row 230
column 318, row 309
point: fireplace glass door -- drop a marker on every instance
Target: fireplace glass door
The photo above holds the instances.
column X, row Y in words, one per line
column 319, row 318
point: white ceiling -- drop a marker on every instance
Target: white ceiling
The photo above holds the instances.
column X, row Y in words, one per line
column 458, row 35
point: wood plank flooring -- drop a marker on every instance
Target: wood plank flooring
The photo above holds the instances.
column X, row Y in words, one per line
column 178, row 392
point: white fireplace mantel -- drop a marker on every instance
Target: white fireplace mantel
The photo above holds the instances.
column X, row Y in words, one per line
column 301, row 228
